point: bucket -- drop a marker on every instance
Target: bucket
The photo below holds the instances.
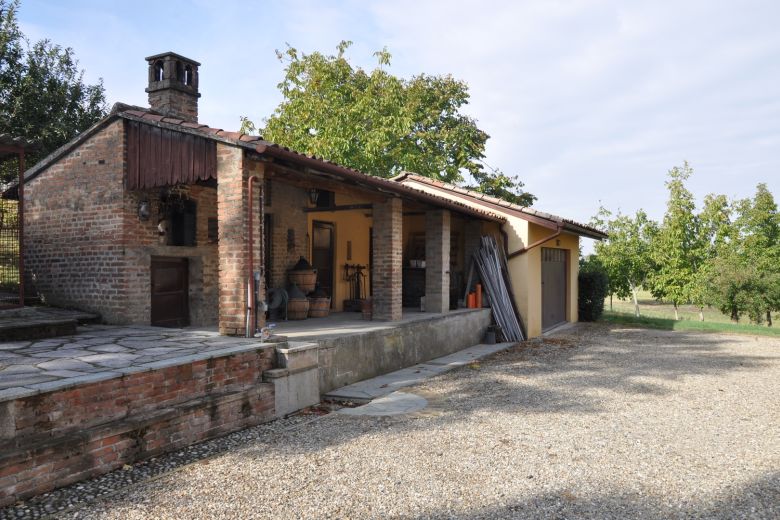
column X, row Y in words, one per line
column 319, row 307
column 297, row 309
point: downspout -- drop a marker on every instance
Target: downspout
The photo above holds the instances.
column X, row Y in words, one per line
column 250, row 300
column 539, row 242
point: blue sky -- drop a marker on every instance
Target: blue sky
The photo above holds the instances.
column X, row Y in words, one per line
column 588, row 102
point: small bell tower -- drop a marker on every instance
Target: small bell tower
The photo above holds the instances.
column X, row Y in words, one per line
column 173, row 86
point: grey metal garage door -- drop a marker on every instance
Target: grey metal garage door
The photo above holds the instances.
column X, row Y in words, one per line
column 553, row 287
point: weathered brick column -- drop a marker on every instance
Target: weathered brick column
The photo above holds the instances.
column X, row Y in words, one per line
column 437, row 261
column 233, row 171
column 388, row 259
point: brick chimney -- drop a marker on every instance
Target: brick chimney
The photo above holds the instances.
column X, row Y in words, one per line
column 173, row 86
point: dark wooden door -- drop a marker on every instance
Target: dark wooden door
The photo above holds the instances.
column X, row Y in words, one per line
column 553, row 287
column 170, row 294
column 322, row 244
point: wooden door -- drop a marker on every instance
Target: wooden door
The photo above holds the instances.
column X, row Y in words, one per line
column 322, row 254
column 170, row 292
column 553, row 287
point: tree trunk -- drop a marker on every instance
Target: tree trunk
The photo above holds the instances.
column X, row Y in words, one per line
column 610, row 302
column 734, row 314
column 636, row 302
column 768, row 318
column 701, row 313
column 676, row 316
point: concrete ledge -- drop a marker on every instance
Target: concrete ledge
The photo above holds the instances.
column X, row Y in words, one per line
column 355, row 357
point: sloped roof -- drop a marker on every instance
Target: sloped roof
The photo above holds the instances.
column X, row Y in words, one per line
column 260, row 146
column 409, row 178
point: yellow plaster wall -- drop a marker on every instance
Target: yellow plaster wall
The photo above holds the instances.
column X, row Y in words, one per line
column 354, row 226
column 526, row 273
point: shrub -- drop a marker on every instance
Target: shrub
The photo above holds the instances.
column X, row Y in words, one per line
column 593, row 288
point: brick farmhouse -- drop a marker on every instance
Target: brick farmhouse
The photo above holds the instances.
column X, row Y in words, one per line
column 145, row 219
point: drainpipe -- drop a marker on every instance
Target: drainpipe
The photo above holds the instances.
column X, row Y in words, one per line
column 250, row 300
column 535, row 244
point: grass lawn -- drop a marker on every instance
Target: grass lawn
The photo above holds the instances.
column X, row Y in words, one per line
column 660, row 315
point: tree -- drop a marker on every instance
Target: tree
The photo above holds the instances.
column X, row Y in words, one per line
column 625, row 255
column 380, row 124
column 677, row 249
column 715, row 230
column 43, row 96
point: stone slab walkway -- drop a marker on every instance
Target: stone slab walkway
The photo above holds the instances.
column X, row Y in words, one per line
column 100, row 352
column 369, row 389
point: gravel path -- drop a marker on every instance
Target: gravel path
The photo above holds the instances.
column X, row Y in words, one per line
column 599, row 422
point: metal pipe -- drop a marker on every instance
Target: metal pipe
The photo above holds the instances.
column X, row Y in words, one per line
column 251, row 303
column 20, row 216
column 535, row 244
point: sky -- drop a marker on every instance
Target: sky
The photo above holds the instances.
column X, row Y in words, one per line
column 589, row 102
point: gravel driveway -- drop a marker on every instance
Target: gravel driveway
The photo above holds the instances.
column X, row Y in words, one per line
column 597, row 422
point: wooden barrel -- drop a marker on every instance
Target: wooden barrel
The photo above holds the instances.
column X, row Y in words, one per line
column 319, row 307
column 297, row 309
column 305, row 280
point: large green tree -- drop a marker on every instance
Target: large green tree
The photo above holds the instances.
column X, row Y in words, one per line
column 677, row 250
column 381, row 124
column 43, row 95
column 625, row 255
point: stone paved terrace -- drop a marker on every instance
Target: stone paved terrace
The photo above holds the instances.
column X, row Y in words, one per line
column 100, row 352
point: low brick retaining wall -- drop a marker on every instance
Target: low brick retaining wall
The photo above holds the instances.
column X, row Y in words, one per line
column 52, row 439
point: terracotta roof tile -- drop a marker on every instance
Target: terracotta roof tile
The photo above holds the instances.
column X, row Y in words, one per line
column 153, row 117
column 187, row 124
column 172, row 120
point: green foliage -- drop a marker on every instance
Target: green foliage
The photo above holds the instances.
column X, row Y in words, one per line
column 677, row 249
column 380, row 124
column 593, row 288
column 43, row 96
column 625, row 255
column 743, row 277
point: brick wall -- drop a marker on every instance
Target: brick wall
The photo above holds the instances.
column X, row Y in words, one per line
column 388, row 257
column 64, row 436
column 73, row 227
column 233, row 171
column 289, row 229
column 174, row 103
column 142, row 242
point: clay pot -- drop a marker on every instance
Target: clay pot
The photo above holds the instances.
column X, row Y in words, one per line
column 303, row 275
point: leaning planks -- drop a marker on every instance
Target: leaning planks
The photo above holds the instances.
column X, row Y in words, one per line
column 489, row 265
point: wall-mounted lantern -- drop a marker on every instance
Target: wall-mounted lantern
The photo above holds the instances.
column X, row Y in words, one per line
column 144, row 209
column 314, row 194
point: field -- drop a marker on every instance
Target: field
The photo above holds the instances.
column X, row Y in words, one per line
column 660, row 315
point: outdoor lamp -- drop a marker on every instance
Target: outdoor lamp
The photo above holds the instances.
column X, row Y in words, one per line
column 144, row 210
column 314, row 194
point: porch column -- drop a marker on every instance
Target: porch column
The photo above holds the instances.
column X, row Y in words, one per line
column 437, row 261
column 388, row 259
column 233, row 171
column 472, row 235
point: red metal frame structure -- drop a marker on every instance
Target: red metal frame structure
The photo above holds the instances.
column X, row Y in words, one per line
column 10, row 148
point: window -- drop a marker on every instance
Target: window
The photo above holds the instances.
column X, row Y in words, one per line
column 325, row 199
column 183, row 224
column 159, row 71
column 187, row 79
